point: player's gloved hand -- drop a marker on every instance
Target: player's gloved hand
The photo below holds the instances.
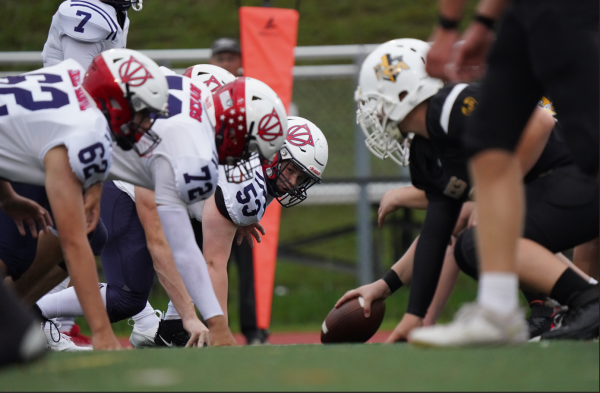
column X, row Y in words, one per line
column 91, row 204
column 25, row 212
column 106, row 341
column 220, row 335
column 371, row 292
column 198, row 332
column 248, row 232
column 408, row 323
column 470, row 57
column 440, row 52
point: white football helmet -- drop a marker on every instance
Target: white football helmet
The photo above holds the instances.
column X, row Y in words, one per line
column 392, row 82
column 211, row 75
column 249, row 118
column 306, row 148
column 123, row 82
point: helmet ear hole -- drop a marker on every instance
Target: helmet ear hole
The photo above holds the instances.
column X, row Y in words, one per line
column 402, row 95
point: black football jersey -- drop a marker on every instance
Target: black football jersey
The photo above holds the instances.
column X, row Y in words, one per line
column 438, row 166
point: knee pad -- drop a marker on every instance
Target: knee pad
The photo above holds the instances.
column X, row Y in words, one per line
column 465, row 253
column 122, row 304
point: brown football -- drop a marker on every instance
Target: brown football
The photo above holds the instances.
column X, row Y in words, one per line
column 348, row 324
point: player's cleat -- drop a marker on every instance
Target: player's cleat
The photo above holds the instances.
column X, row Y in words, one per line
column 144, row 339
column 474, row 326
column 257, row 337
column 22, row 345
column 78, row 339
column 57, row 341
column 171, row 334
column 545, row 316
column 581, row 321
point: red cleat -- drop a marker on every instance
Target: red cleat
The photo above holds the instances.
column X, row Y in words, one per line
column 78, row 339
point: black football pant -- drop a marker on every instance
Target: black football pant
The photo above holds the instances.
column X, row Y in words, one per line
column 544, row 47
column 562, row 210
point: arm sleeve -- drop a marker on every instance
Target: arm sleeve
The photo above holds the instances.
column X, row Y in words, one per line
column 189, row 259
column 441, row 217
column 82, row 52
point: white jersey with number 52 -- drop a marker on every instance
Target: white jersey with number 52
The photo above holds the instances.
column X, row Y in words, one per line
column 46, row 108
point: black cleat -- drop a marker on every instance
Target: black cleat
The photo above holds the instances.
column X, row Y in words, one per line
column 171, row 333
column 581, row 322
column 257, row 337
column 545, row 316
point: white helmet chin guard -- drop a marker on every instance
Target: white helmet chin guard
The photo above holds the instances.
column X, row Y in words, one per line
column 392, row 82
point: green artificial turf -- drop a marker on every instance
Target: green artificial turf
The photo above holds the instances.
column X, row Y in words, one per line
column 558, row 366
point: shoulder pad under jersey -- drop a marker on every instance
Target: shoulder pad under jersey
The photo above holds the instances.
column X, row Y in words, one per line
column 90, row 156
column 88, row 20
column 195, row 178
column 246, row 202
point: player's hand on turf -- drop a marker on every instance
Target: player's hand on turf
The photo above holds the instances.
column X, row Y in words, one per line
column 106, row 342
column 24, row 211
column 250, row 231
column 220, row 335
column 91, row 204
column 371, row 292
column 199, row 334
column 406, row 325
column 440, row 52
column 470, row 60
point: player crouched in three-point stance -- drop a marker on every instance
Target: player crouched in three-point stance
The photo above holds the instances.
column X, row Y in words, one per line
column 181, row 170
column 396, row 97
column 54, row 135
column 236, row 208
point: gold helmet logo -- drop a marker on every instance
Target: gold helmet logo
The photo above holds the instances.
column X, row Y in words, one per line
column 547, row 105
column 390, row 67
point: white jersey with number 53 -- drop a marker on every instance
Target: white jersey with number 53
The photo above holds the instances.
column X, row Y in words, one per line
column 46, row 108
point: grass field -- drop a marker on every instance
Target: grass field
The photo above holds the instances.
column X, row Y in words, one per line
column 559, row 366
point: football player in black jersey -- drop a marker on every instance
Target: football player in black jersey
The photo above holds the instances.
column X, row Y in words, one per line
column 397, row 98
column 543, row 47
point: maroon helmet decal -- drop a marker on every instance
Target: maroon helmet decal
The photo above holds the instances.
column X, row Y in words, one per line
column 134, row 73
column 269, row 127
column 211, row 81
column 300, row 136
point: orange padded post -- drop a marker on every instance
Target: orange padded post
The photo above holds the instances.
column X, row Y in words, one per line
column 268, row 37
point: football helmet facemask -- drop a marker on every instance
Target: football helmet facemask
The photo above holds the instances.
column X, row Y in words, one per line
column 299, row 164
column 132, row 92
column 392, row 82
column 249, row 118
column 124, row 5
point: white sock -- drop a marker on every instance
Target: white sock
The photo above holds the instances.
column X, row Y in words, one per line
column 60, row 287
column 171, row 312
column 146, row 319
column 499, row 291
column 593, row 281
column 64, row 303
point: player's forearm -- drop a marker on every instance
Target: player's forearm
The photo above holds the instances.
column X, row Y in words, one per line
column 189, row 260
column 492, row 9
column 6, row 191
column 452, row 9
column 534, row 138
column 429, row 254
column 404, row 266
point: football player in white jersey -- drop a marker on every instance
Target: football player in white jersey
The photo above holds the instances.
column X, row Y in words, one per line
column 54, row 135
column 82, row 29
column 249, row 118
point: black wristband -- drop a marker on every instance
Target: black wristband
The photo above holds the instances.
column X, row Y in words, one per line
column 448, row 24
column 392, row 280
column 484, row 20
